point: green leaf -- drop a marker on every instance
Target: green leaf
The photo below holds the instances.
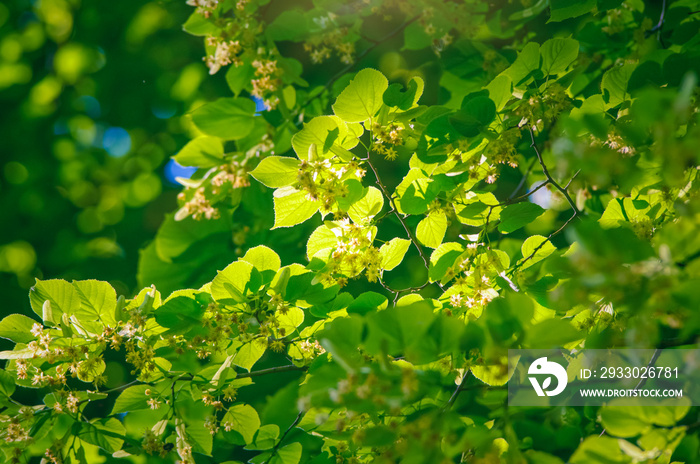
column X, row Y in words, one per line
column 367, row 207
column 558, row 54
column 366, row 302
column 321, row 239
column 614, row 84
column 415, row 192
column 17, row 327
column 250, row 353
column 131, row 399
column 399, row 330
column 623, row 421
column 565, row 9
column 233, row 282
column 315, row 134
column 392, row 252
column 289, row 454
column 599, row 450
column 415, row 37
column 289, row 96
column 293, row 207
column 341, row 338
column 228, row 118
column 108, row 434
column 202, row 152
column 242, row 419
column 288, row 25
column 531, row 244
column 552, row 333
column 476, row 113
column 479, row 107
column 395, row 96
column 362, row 98
column 199, row 25
column 239, row 77
column 61, row 295
column 19, row 352
column 276, row 171
column 265, row 438
column 180, row 313
column 614, row 214
column 500, row 91
column 289, row 321
column 443, row 258
column 355, row 192
column 330, row 139
column 513, row 217
column 98, row 301
column 265, row 260
column 527, row 62
column 496, row 374
column 431, row 230
column 7, row 384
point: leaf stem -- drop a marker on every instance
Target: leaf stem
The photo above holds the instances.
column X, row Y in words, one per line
column 456, row 392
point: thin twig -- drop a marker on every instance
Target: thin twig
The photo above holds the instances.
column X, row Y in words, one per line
column 522, row 180
column 396, row 212
column 284, row 435
column 243, row 375
column 538, row 247
column 271, row 370
column 549, row 177
column 660, row 24
column 510, row 201
column 643, row 380
column 457, row 391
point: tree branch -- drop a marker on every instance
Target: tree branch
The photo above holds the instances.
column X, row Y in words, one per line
column 538, row 247
column 549, row 177
column 396, row 212
column 284, row 435
column 271, row 370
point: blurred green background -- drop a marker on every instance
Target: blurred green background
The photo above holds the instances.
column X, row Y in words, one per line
column 91, row 94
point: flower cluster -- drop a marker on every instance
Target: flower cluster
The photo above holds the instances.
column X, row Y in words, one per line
column 474, row 285
column 266, row 81
column 199, row 198
column 540, row 110
column 204, row 7
column 333, row 39
column 386, row 138
column 324, row 179
column 502, row 150
column 225, row 53
column 352, row 253
column 478, row 164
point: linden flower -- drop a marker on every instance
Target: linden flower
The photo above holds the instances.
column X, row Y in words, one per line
column 37, row 330
column 153, row 403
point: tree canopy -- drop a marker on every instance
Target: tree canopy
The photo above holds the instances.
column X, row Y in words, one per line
column 368, row 204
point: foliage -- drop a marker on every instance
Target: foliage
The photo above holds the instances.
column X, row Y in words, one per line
column 383, row 237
